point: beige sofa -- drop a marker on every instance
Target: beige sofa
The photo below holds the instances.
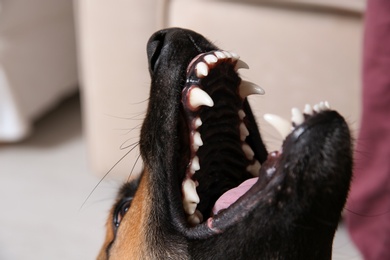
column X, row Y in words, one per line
column 37, row 62
column 299, row 52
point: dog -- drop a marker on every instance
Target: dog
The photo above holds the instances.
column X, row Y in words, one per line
column 209, row 188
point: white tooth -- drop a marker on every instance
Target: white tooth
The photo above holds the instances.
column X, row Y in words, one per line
column 198, row 97
column 280, row 124
column 316, row 108
column 220, row 55
column 241, row 65
column 248, row 151
column 202, row 70
column 189, row 207
column 241, row 114
column 327, row 105
column 227, row 54
column 323, row 106
column 297, row 117
column 254, row 168
column 308, row 110
column 195, row 166
column 190, row 196
column 247, row 88
column 243, row 131
column 195, row 218
column 197, row 141
column 197, row 122
column 235, row 56
column 210, row 59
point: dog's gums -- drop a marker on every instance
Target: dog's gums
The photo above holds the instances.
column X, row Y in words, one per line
column 210, row 189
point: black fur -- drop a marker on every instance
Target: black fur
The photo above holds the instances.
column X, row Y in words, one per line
column 291, row 215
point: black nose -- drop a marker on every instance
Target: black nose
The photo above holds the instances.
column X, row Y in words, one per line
column 153, row 48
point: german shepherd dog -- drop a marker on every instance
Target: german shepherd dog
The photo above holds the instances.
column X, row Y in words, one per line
column 209, row 188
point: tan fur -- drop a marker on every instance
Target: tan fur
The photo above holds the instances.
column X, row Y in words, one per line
column 130, row 240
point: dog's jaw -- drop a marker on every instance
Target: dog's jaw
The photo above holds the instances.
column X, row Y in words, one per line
column 297, row 198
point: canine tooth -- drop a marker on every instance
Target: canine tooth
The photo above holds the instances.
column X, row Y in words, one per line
column 247, row 88
column 254, row 168
column 198, row 97
column 327, row 105
column 243, row 131
column 190, row 196
column 197, row 141
column 241, row 65
column 210, row 59
column 308, row 110
column 297, row 117
column 202, row 70
column 198, row 122
column 248, row 151
column 280, row 124
column 220, row 55
column 195, row 166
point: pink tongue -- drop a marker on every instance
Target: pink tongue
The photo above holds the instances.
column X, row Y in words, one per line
column 229, row 197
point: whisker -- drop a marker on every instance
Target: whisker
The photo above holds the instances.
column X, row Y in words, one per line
column 123, row 147
column 140, row 102
column 130, row 118
column 132, row 169
column 374, row 215
column 131, row 129
column 105, row 175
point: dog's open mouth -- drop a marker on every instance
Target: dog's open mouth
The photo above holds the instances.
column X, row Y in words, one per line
column 209, row 188
column 226, row 176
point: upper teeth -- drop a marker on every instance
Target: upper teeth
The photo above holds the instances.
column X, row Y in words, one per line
column 248, row 88
column 248, row 151
column 280, row 124
column 197, row 122
column 202, row 70
column 241, row 114
column 241, row 65
column 210, row 59
column 220, row 55
column 197, row 141
column 190, row 197
column 243, row 131
column 198, row 97
column 254, row 168
column 195, row 166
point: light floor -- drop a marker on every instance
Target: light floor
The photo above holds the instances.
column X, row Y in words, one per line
column 43, row 183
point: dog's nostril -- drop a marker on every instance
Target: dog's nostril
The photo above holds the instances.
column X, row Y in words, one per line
column 154, row 48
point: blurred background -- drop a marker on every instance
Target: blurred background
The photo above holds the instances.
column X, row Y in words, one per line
column 74, row 86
